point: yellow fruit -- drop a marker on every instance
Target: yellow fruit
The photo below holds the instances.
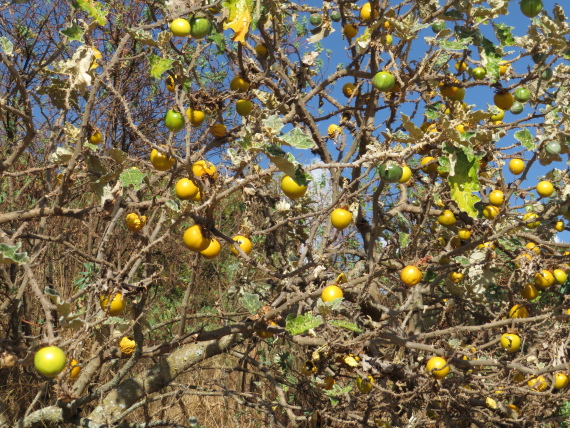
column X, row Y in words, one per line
column 456, row 277
column 437, row 367
column 446, row 218
column 497, row 117
column 350, row 31
column 96, row 138
column 560, row 276
column 486, row 245
column 308, row 368
column 521, row 256
column 529, row 292
column 266, row 334
column 561, row 381
column 115, row 307
column 534, row 224
column 518, row 311
column 545, row 189
column 244, row 107
column 365, row 385
column 185, row 189
column 244, row 243
column 134, row 222
column 333, row 130
column 461, row 66
column 544, row 279
column 538, row 384
column 510, row 342
column 331, row 292
column 171, row 83
column 196, row 117
column 218, row 130
column 160, row 161
column 559, row 226
column 366, row 12
column 291, row 188
column 213, row 249
column 76, row 369
column 203, row 167
column 341, row 218
column 194, row 239
column 516, row 166
column 490, row 212
column 261, row 50
column 411, row 275
column 127, row 345
column 497, row 198
column 533, row 247
column 239, row 84
column 430, row 169
column 448, row 90
column 464, row 234
column 348, row 89
column 406, row 174
column 503, row 67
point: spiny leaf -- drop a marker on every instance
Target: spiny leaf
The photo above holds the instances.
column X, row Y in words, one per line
column 132, row 177
column 345, row 324
column 463, row 178
column 251, row 302
column 10, row 254
column 75, row 32
column 301, row 324
column 94, row 9
column 298, row 139
column 525, row 138
column 159, row 65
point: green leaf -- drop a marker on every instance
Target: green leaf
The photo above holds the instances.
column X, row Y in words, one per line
column 75, row 32
column 272, row 125
column 6, row 46
column 286, row 163
column 219, row 40
column 298, row 139
column 345, row 324
column 10, row 254
column 132, row 177
column 525, row 138
column 251, row 302
column 145, row 37
column 301, row 324
column 504, row 34
column 404, row 239
column 171, row 205
column 458, row 45
column 159, row 65
column 337, row 391
column 463, row 178
column 463, row 261
column 433, row 111
column 94, row 9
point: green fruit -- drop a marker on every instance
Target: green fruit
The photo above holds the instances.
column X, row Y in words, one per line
column 335, row 16
column 383, row 81
column 391, row 173
column 49, row 361
column 316, row 19
column 517, row 108
column 199, row 27
column 547, row 74
column 531, row 8
column 437, row 26
column 173, row 121
column 539, row 57
column 552, row 148
column 478, row 73
column 522, row 95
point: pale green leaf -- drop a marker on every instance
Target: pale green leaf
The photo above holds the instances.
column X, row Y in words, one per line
column 298, row 139
column 159, row 65
column 272, row 125
column 301, row 324
column 525, row 138
column 345, row 324
column 463, row 178
column 95, row 10
column 251, row 302
column 75, row 32
column 61, row 155
column 132, row 178
column 10, row 254
column 6, row 46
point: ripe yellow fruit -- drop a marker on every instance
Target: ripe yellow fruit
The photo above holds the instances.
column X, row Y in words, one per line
column 196, row 117
column 430, row 169
column 516, row 166
column 348, row 89
column 559, row 226
column 244, row 107
column 464, row 234
column 486, row 245
column 503, row 67
column 518, row 311
column 406, row 174
column 261, row 50
column 185, row 189
column 218, row 130
column 545, row 189
column 411, row 275
column 341, row 218
column 266, row 334
column 437, row 367
column 194, row 239
column 534, row 224
column 497, row 198
column 456, row 277
column 134, row 222
column 529, row 292
column 213, row 249
column 244, row 243
column 461, row 66
column 490, row 212
column 538, row 384
column 116, row 306
column 160, row 161
column 560, row 276
column 238, row 84
column 203, row 167
column 331, row 292
column 96, row 138
column 498, row 116
column 365, row 385
column 544, row 278
column 533, row 247
column 76, row 369
column 510, row 342
column 561, row 381
column 366, row 12
column 446, row 218
column 127, row 346
column 291, row 188
column 350, row 31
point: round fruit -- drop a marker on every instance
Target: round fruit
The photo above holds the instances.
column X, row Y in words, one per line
column 517, row 108
column 490, row 212
column 553, row 148
column 503, row 67
column 238, row 84
column 335, row 16
column 464, row 234
column 518, row 311
column 448, row 90
column 218, row 130
column 510, row 342
column 544, row 278
column 291, row 188
column 387, row 40
column 533, row 247
column 49, row 361
column 213, row 249
column 135, row 222
column 461, row 66
column 529, row 292
column 529, row 216
column 117, row 305
column 173, row 121
column 459, row 95
column 390, row 173
column 516, row 166
column 127, row 346
column 561, row 381
column 180, row 27
column 479, row 73
column 350, row 31
column 366, row 12
column 244, row 107
column 545, row 189
column 522, row 95
column 316, row 19
column 200, row 27
column 170, row 83
column 437, row 367
column 430, row 169
column 365, row 385
column 261, row 50
column 436, row 27
column 446, row 218
column 348, row 89
column 406, row 174
column 75, row 369
column 559, row 226
column 498, row 116
column 560, row 276
column 539, row 57
column 547, row 74
column 333, row 130
column 538, row 384
column 383, row 81
column 96, row 138
column 456, row 277
column 244, row 244
column 185, row 189
column 195, row 240
column 331, row 292
column 202, row 167
column 504, row 100
column 196, row 117
column 411, row 275
column 531, row 8
column 341, row 218
column 497, row 198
